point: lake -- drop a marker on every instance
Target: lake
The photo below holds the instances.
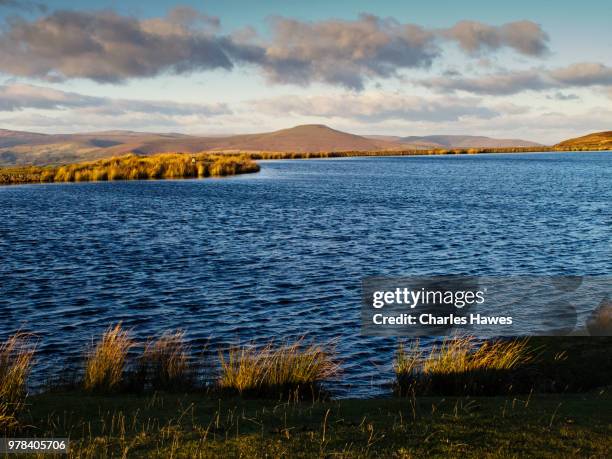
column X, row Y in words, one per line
column 282, row 253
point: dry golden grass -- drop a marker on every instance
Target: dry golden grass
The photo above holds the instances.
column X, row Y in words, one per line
column 15, row 362
column 134, row 167
column 460, row 365
column 289, row 370
column 105, row 363
column 165, row 363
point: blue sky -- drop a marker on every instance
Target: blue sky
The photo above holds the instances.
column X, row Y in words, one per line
column 535, row 70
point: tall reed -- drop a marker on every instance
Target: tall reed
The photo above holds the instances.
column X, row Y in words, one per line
column 461, row 366
column 16, row 355
column 106, row 361
column 289, row 370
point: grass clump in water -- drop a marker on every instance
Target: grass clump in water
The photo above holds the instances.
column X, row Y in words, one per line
column 165, row 364
column 460, row 366
column 291, row 371
column 105, row 363
column 16, row 355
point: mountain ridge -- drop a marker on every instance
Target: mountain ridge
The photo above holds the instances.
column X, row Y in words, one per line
column 22, row 147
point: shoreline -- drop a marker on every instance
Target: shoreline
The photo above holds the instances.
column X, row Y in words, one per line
column 243, row 163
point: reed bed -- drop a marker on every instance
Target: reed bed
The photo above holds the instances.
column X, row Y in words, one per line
column 264, row 155
column 293, row 370
column 461, row 366
column 105, row 363
column 134, row 167
column 16, row 355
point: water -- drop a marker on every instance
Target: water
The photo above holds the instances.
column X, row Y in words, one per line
column 281, row 254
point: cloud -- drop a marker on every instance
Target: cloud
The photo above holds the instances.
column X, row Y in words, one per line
column 16, row 97
column 374, row 107
column 582, row 74
column 525, row 37
column 344, row 52
column 496, row 84
column 23, row 5
column 562, row 96
column 105, row 46
column 348, row 52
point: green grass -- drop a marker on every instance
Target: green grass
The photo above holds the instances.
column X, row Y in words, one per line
column 190, row 426
column 214, row 424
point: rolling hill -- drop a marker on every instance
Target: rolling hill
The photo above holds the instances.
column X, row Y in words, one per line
column 33, row 148
column 596, row 140
column 21, row 148
column 456, row 141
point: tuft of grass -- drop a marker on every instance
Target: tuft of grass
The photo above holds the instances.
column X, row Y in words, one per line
column 165, row 364
column 293, row 370
column 105, row 363
column 461, row 366
column 16, row 355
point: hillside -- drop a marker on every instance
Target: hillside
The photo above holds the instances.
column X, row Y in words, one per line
column 19, row 148
column 464, row 141
column 10, row 138
column 597, row 140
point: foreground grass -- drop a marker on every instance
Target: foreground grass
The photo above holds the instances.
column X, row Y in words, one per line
column 15, row 363
column 134, row 167
column 191, row 426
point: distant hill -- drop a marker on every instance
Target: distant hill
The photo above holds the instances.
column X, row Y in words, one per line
column 464, row 141
column 31, row 148
column 18, row 147
column 597, row 140
column 11, row 138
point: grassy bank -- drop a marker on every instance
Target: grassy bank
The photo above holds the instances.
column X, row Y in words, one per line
column 191, row 426
column 143, row 399
column 134, row 167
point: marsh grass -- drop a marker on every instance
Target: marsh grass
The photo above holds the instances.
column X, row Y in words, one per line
column 105, row 363
column 166, row 364
column 289, row 371
column 462, row 366
column 16, row 355
column 134, row 167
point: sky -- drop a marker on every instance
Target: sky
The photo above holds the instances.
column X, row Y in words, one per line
column 538, row 71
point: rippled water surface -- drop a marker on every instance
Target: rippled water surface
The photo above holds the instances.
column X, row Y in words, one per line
column 281, row 253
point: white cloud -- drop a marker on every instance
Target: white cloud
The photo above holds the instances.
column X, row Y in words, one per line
column 374, row 107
